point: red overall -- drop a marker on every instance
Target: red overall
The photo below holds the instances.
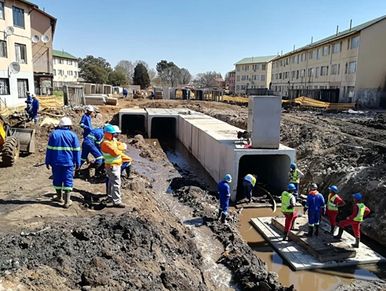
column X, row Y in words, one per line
column 332, row 214
column 349, row 221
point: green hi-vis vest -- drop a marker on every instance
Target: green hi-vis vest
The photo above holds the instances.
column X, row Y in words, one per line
column 295, row 176
column 286, row 201
column 330, row 204
column 361, row 212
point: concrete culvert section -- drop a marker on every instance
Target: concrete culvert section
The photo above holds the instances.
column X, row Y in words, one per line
column 163, row 127
column 133, row 124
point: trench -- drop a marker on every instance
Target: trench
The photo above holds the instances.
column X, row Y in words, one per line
column 320, row 279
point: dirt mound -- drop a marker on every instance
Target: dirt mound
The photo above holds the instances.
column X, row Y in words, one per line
column 110, row 252
column 149, row 150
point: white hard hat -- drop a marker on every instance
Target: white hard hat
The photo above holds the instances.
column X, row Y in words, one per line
column 117, row 129
column 89, row 108
column 33, row 95
column 65, row 121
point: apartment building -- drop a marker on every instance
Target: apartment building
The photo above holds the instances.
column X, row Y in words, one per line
column 253, row 73
column 16, row 66
column 230, row 81
column 66, row 70
column 349, row 66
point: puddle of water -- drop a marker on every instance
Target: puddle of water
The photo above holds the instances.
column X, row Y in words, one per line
column 323, row 279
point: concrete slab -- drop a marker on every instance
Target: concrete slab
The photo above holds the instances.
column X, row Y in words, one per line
column 299, row 259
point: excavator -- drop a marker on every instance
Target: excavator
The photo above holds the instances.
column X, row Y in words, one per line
column 15, row 140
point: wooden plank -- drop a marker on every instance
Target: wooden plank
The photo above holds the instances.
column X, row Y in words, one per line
column 299, row 259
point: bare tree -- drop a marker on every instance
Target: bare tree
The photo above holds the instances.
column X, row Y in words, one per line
column 185, row 76
column 127, row 67
column 152, row 74
column 208, row 79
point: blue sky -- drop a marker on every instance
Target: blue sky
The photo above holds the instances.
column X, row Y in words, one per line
column 200, row 35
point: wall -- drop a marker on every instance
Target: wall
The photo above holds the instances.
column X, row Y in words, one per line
column 371, row 76
column 250, row 73
column 68, row 65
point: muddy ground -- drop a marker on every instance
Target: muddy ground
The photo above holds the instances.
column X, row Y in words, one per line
column 146, row 246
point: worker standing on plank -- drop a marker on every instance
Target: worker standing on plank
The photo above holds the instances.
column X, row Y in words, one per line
column 359, row 212
column 249, row 182
column 63, row 155
column 315, row 205
column 288, row 203
column 34, row 109
column 334, row 201
column 112, row 155
column 91, row 145
column 85, row 121
column 294, row 177
column 224, row 191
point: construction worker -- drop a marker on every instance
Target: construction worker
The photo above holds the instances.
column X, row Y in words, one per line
column 125, row 92
column 315, row 205
column 126, row 160
column 359, row 212
column 91, row 145
column 112, row 154
column 28, row 101
column 249, row 182
column 288, row 203
column 294, row 177
column 224, row 191
column 34, row 109
column 333, row 202
column 63, row 155
column 85, row 121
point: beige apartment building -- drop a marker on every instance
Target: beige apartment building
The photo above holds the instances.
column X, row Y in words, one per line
column 16, row 66
column 66, row 70
column 349, row 66
column 253, row 73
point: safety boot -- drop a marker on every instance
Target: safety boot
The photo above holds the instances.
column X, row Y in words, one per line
column 223, row 217
column 67, row 199
column 58, row 197
column 310, row 231
column 356, row 244
column 332, row 230
column 340, row 233
column 285, row 235
column 316, row 230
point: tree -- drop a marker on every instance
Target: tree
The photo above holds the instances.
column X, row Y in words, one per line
column 185, row 76
column 208, row 79
column 171, row 75
column 94, row 70
column 118, row 77
column 127, row 67
column 141, row 76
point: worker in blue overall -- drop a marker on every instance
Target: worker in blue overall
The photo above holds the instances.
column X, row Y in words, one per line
column 315, row 205
column 91, row 145
column 85, row 121
column 224, row 191
column 34, row 109
column 63, row 155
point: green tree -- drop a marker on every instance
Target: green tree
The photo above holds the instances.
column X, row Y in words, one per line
column 94, row 70
column 118, row 77
column 141, row 76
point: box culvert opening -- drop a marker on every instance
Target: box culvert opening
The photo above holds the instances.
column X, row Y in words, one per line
column 163, row 127
column 133, row 124
column 271, row 170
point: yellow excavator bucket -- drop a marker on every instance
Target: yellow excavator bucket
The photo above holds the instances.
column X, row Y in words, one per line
column 2, row 132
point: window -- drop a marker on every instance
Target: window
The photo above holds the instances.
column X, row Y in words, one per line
column 354, row 42
column 280, row 76
column 3, row 49
column 22, row 87
column 310, row 55
column 302, row 73
column 350, row 92
column 324, row 71
column 319, row 53
column 351, row 67
column 4, row 86
column 1, row 10
column 21, row 53
column 70, row 73
column 326, row 50
column 293, row 74
column 238, row 68
column 262, row 77
column 310, row 72
column 317, row 70
column 263, row 67
column 60, row 72
column 54, row 72
column 61, row 61
column 238, row 78
column 238, row 87
column 297, row 59
column 18, row 17
column 297, row 74
column 335, row 69
column 337, row 47
column 69, row 62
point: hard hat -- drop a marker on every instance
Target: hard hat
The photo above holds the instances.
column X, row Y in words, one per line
column 314, row 186
column 333, row 188
column 33, row 95
column 65, row 121
column 293, row 166
column 228, row 178
column 291, row 187
column 109, row 129
column 358, row 196
column 90, row 108
column 117, row 129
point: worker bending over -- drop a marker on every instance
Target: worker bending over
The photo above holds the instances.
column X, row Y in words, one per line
column 63, row 155
column 288, row 203
column 315, row 206
column 334, row 201
column 85, row 121
column 294, row 177
column 359, row 212
column 91, row 145
column 249, row 182
column 224, row 191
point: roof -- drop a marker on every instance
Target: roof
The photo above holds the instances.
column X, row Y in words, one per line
column 36, row 7
column 337, row 36
column 63, row 54
column 254, row 60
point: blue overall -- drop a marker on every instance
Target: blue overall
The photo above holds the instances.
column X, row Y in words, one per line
column 225, row 194
column 91, row 145
column 33, row 113
column 85, row 123
column 315, row 203
column 63, row 154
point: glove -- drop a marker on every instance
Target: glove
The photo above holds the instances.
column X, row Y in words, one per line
column 47, row 166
